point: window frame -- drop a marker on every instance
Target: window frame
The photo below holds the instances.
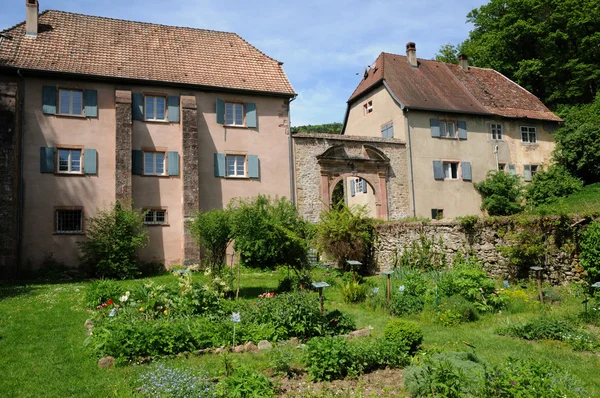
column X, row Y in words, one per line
column 445, row 123
column 499, row 136
column 59, row 109
column 451, row 162
column 80, row 209
column 155, row 96
column 387, row 126
column 529, row 132
column 235, row 167
column 154, row 210
column 154, row 152
column 437, row 213
column 532, row 171
column 368, row 107
column 234, row 104
column 70, row 148
column 503, row 167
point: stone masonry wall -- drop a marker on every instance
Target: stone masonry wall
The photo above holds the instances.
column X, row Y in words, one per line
column 484, row 241
column 191, row 196
column 308, row 172
column 124, row 132
column 9, row 178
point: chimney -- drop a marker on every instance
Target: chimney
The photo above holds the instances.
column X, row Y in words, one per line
column 31, row 18
column 411, row 54
column 463, row 61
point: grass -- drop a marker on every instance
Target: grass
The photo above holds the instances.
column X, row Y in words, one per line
column 42, row 338
column 584, row 202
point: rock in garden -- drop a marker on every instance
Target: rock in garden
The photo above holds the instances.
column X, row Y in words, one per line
column 264, row 345
column 239, row 348
column 106, row 362
column 89, row 326
column 360, row 333
column 219, row 350
column 250, row 347
column 294, row 341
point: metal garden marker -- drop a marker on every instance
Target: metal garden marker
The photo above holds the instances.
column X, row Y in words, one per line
column 537, row 271
column 353, row 266
column 235, row 318
column 320, row 286
column 389, row 283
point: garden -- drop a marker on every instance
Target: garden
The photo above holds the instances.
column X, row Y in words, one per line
column 278, row 324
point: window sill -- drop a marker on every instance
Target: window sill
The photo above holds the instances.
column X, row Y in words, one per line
column 58, row 173
column 236, row 126
column 237, row 177
column 157, row 225
column 66, row 115
column 157, row 121
column 449, row 138
column 68, row 233
column 155, row 175
column 529, row 143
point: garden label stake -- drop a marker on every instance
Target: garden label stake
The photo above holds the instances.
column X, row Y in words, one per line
column 538, row 276
column 235, row 318
column 320, row 286
column 389, row 284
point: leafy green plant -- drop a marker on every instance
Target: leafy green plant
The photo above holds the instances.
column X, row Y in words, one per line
column 353, row 292
column 280, row 360
column 246, row 383
column 161, row 380
column 590, row 251
column 113, row 237
column 424, row 254
column 339, row 322
column 345, row 233
column 549, row 185
column 100, row 291
column 403, row 333
column 456, row 309
column 213, row 230
column 501, row 193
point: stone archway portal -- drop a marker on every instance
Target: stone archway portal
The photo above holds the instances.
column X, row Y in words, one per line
column 370, row 164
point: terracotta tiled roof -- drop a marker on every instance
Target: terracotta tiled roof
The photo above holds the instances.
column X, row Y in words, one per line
column 446, row 87
column 82, row 44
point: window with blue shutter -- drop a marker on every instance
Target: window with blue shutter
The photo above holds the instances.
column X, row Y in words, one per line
column 352, row 187
column 137, row 162
column 49, row 100
column 90, row 161
column 253, row 166
column 527, row 173
column 466, row 171
column 47, row 159
column 219, row 165
column 462, row 130
column 251, row 119
column 438, row 170
column 137, row 106
column 387, row 130
column 90, row 100
column 512, row 169
column 364, row 186
column 220, row 111
column 173, row 163
column 435, row 127
column 173, row 109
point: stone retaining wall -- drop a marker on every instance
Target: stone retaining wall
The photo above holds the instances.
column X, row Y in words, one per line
column 484, row 240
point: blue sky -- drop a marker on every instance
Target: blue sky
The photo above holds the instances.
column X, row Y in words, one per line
column 323, row 44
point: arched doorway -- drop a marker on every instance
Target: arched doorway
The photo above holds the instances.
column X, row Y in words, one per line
column 362, row 175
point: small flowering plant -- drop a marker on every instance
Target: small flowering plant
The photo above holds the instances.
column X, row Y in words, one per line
column 108, row 308
column 266, row 295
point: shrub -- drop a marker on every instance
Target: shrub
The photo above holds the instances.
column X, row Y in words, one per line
column 161, row 380
column 456, row 309
column 551, row 184
column 590, row 251
column 473, row 285
column 346, row 234
column 212, row 230
column 424, row 254
column 501, row 193
column 269, row 232
column 406, row 304
column 410, row 297
column 246, row 383
column 339, row 323
column 353, row 292
column 403, row 333
column 280, row 359
column 113, row 236
column 100, row 291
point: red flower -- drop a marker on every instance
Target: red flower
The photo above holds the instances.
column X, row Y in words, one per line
column 104, row 304
column 109, row 301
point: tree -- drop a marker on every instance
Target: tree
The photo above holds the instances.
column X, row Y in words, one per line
column 551, row 184
column 578, row 141
column 113, row 237
column 501, row 193
column 330, row 128
column 550, row 47
column 447, row 53
column 212, row 230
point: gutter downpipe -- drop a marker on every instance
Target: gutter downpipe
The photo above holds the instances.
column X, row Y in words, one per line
column 21, row 93
column 410, row 165
column 291, row 155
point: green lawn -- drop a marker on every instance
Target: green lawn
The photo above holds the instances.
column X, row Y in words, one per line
column 42, row 338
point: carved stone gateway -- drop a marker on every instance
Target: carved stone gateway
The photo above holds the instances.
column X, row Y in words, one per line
column 321, row 161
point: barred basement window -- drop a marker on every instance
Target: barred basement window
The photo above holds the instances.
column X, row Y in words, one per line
column 155, row 217
column 69, row 221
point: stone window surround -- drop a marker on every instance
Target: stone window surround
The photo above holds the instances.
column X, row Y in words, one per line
column 165, row 223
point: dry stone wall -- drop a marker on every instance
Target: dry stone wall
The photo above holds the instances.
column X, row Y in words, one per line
column 484, row 240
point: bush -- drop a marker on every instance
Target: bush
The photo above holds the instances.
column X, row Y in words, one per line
column 212, row 230
column 332, row 358
column 590, row 251
column 353, row 292
column 269, row 232
column 408, row 335
column 473, row 285
column 339, row 323
column 501, row 193
column 551, row 184
column 346, row 234
column 423, row 255
column 113, row 237
column 161, row 380
column 280, row 359
column 246, row 383
column 456, row 309
column 100, row 291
